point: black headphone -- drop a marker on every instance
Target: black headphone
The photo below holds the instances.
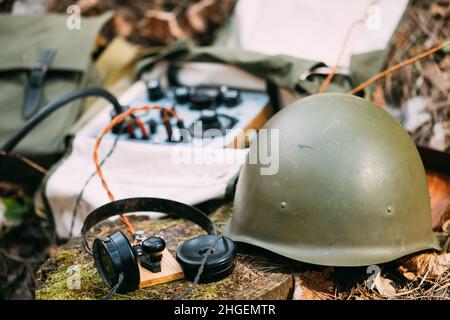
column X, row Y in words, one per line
column 116, row 258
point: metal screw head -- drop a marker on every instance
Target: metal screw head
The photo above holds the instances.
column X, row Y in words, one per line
column 139, row 235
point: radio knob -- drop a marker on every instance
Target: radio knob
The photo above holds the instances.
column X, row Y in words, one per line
column 210, row 120
column 204, row 98
column 182, row 95
column 231, row 97
column 202, row 102
column 154, row 90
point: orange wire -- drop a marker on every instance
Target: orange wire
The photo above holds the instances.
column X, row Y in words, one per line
column 118, row 119
column 333, row 71
column 141, row 126
column 398, row 66
column 165, row 115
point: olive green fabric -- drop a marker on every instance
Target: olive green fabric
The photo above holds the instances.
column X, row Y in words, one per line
column 283, row 70
column 351, row 189
column 363, row 66
column 24, row 39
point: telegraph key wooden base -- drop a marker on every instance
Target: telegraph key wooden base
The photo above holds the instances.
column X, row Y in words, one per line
column 170, row 270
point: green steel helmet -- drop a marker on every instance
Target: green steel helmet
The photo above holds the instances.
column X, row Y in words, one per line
column 350, row 189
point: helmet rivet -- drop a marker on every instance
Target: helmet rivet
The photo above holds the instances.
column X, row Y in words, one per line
column 389, row 210
column 283, row 205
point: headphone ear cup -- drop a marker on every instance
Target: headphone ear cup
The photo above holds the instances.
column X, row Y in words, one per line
column 113, row 254
column 218, row 265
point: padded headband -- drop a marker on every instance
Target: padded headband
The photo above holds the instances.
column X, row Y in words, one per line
column 170, row 207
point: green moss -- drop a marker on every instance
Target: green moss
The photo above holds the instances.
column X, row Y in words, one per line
column 56, row 285
column 65, row 258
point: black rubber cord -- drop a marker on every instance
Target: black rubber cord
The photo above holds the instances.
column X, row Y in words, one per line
column 55, row 105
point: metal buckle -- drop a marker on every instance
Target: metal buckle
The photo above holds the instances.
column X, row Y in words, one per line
column 39, row 66
column 324, row 71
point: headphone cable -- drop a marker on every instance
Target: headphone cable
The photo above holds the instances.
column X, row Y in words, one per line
column 57, row 104
column 201, row 268
column 86, row 183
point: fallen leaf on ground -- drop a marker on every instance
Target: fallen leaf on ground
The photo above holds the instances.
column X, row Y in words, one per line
column 384, row 286
column 438, row 10
column 446, row 225
column 439, row 190
column 205, row 11
column 313, row 285
column 160, row 26
column 439, row 78
column 86, row 5
column 123, row 23
column 197, row 15
column 378, row 96
column 432, row 265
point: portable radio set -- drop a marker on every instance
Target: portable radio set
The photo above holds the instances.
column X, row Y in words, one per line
column 222, row 111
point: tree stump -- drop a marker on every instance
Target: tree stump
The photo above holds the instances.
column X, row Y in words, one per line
column 257, row 274
column 254, row 276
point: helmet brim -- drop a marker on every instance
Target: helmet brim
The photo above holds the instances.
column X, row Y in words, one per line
column 336, row 255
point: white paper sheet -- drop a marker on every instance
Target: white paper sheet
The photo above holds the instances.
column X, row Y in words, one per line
column 314, row 30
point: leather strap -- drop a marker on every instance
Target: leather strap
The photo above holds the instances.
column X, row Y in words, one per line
column 170, row 207
column 35, row 86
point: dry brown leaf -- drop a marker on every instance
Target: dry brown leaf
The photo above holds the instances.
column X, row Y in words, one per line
column 86, row 5
column 439, row 78
column 378, row 96
column 313, row 285
column 52, row 250
column 160, row 26
column 432, row 265
column 437, row 10
column 11, row 190
column 446, row 226
column 439, row 190
column 123, row 23
column 384, row 286
column 197, row 15
column 409, row 275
